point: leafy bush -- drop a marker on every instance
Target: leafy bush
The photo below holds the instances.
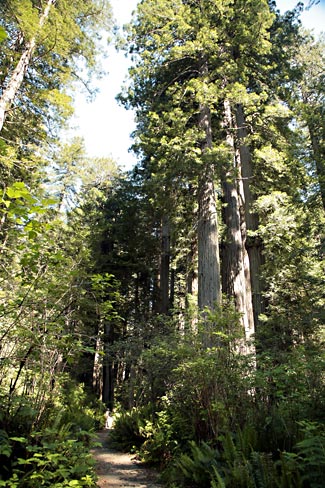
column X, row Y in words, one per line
column 53, row 452
column 53, row 458
column 161, row 444
column 129, row 429
column 74, row 406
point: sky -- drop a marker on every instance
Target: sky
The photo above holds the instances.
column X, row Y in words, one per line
column 104, row 124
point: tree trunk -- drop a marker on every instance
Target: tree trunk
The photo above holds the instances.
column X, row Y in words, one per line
column 235, row 265
column 209, row 282
column 319, row 161
column 191, row 270
column 108, row 368
column 164, row 265
column 97, row 380
column 17, row 76
column 250, row 220
column 209, row 287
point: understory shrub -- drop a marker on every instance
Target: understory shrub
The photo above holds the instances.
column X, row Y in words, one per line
column 225, row 419
column 161, row 443
column 235, row 464
column 52, row 449
column 53, row 458
column 129, row 428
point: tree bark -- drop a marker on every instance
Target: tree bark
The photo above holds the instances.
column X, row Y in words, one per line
column 18, row 74
column 164, row 265
column 235, row 264
column 209, row 281
column 319, row 160
column 108, row 368
column 250, row 220
column 209, row 286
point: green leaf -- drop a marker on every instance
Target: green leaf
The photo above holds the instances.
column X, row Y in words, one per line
column 32, row 234
column 19, row 439
column 49, row 201
column 3, row 146
column 19, row 185
column 3, row 34
column 12, row 193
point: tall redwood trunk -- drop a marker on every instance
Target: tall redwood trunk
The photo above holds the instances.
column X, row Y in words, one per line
column 209, row 286
column 18, row 74
column 209, row 281
column 235, row 264
column 250, row 221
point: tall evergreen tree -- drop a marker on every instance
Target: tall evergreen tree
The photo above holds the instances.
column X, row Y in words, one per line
column 44, row 48
column 182, row 82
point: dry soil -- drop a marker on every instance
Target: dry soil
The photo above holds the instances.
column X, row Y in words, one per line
column 120, row 470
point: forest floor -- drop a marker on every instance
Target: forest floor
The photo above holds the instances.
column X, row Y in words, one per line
column 119, row 470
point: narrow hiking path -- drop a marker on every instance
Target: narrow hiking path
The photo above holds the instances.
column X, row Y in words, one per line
column 120, row 470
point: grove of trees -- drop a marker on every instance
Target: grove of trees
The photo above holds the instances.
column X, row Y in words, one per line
column 187, row 294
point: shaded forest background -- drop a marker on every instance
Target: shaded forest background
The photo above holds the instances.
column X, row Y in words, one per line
column 186, row 295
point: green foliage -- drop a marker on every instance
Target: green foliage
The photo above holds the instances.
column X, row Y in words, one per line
column 81, row 278
column 245, row 421
column 3, row 34
column 161, row 443
column 311, row 453
column 230, row 466
column 67, row 39
column 129, row 428
column 198, row 467
column 57, row 454
column 73, row 406
column 52, row 458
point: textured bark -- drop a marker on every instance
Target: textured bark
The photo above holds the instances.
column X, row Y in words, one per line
column 97, row 376
column 164, row 266
column 209, row 282
column 18, row 74
column 209, row 286
column 250, row 220
column 191, row 270
column 108, row 368
column 236, row 281
column 319, row 158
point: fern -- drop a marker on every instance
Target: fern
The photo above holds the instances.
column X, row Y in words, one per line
column 218, row 482
column 264, row 471
column 311, row 451
column 288, row 466
column 199, row 465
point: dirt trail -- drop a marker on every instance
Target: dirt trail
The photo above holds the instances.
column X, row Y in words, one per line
column 119, row 470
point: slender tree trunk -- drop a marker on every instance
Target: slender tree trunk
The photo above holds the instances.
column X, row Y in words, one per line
column 108, row 368
column 165, row 265
column 250, row 221
column 191, row 270
column 17, row 76
column 97, row 365
column 319, row 161
column 235, row 265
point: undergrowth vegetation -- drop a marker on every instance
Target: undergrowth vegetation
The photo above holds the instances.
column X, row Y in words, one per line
column 51, row 449
column 219, row 419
